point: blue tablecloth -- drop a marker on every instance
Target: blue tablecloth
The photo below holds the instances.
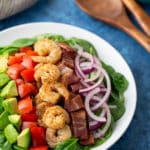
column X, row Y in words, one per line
column 137, row 136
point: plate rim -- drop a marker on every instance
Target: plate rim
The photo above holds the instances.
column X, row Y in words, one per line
column 108, row 44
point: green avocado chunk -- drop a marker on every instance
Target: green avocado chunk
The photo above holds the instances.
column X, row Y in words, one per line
column 15, row 120
column 10, row 90
column 3, row 120
column 10, row 105
column 3, row 62
column 11, row 133
column 4, row 78
column 24, row 138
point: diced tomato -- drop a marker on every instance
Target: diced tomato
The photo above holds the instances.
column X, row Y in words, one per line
column 29, row 117
column 14, row 60
column 28, row 124
column 25, row 49
column 39, row 148
column 14, row 71
column 25, row 105
column 27, row 62
column 19, row 82
column 24, row 90
column 28, row 75
column 38, row 136
column 33, row 110
column 33, row 89
column 20, row 54
column 31, row 53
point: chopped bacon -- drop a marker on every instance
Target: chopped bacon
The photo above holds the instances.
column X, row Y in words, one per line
column 79, row 125
column 64, row 69
column 69, row 78
column 88, row 141
column 68, row 61
column 67, row 50
column 76, row 87
column 74, row 104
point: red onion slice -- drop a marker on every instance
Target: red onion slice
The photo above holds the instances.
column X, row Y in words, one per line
column 87, row 106
column 104, row 99
column 101, row 132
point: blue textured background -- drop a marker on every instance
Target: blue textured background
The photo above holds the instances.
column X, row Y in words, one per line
column 137, row 136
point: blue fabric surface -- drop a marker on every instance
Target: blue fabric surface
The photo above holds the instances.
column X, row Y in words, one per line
column 137, row 136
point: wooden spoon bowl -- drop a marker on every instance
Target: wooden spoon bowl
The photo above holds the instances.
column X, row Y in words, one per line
column 113, row 12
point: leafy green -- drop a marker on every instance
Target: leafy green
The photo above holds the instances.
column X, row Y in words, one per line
column 6, row 146
column 118, row 80
column 70, row 144
column 23, row 42
column 16, row 147
column 2, row 138
column 1, row 106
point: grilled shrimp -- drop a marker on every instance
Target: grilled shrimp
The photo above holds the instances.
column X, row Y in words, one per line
column 46, row 73
column 54, row 137
column 48, row 51
column 55, row 117
column 51, row 93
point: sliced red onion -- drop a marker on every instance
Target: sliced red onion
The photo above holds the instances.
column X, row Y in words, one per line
column 93, row 125
column 78, row 69
column 104, row 99
column 101, row 132
column 98, row 73
column 87, row 106
column 93, row 86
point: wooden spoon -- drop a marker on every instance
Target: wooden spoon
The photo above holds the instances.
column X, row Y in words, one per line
column 113, row 12
column 140, row 15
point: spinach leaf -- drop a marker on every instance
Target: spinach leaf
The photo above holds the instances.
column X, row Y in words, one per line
column 83, row 43
column 118, row 80
column 1, row 105
column 23, row 42
column 70, row 144
column 9, row 50
column 2, row 138
column 6, row 146
column 117, row 100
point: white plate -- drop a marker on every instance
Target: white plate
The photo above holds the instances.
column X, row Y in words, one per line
column 105, row 51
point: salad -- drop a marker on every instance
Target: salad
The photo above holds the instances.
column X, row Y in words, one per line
column 56, row 93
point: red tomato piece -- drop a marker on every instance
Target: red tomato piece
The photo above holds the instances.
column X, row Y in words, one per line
column 31, row 53
column 24, row 90
column 28, row 124
column 25, row 49
column 32, row 87
column 14, row 60
column 28, row 75
column 33, row 110
column 39, row 148
column 38, row 136
column 14, row 71
column 27, row 62
column 29, row 117
column 19, row 82
column 25, row 105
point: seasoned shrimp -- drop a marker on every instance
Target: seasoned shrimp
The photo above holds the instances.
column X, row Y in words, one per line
column 48, row 51
column 55, row 117
column 52, row 92
column 46, row 73
column 54, row 137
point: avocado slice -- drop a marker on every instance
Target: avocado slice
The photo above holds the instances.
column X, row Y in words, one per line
column 3, row 62
column 15, row 120
column 11, row 133
column 3, row 120
column 10, row 90
column 24, row 138
column 4, row 78
column 10, row 105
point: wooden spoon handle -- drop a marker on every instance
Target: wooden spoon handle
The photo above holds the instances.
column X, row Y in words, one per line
column 127, row 26
column 140, row 15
